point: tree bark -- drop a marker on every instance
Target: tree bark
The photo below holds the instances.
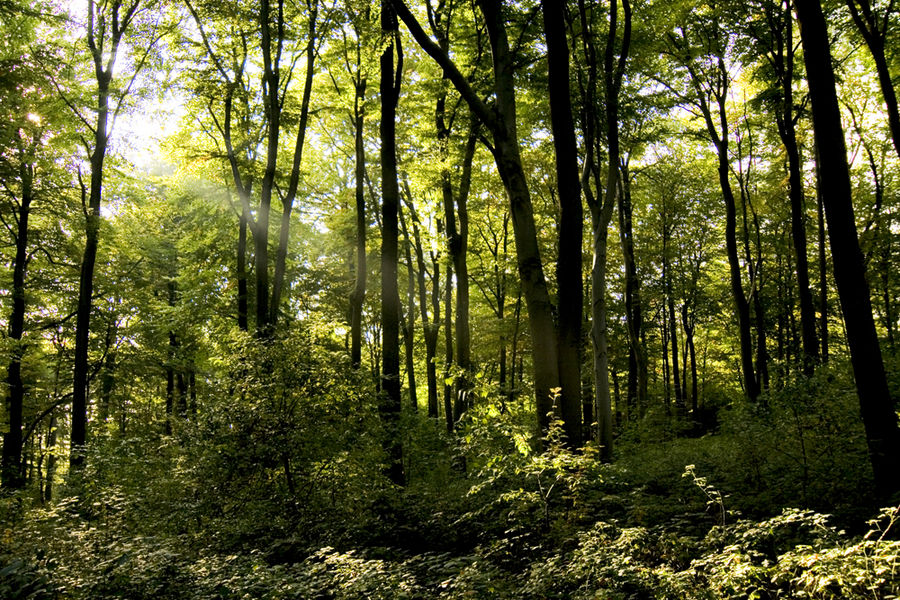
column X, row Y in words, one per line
column 358, row 296
column 787, row 131
column 430, row 327
column 91, row 201
column 12, row 472
column 409, row 324
column 571, row 221
column 287, row 203
column 500, row 119
column 823, row 266
column 876, row 404
column 389, row 405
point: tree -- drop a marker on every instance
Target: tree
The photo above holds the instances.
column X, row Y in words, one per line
column 772, row 33
column 571, row 224
column 107, row 24
column 876, row 28
column 389, row 402
column 23, row 134
column 500, row 120
column 876, row 404
column 700, row 47
column 226, row 79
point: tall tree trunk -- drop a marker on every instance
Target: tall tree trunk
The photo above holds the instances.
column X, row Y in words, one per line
column 430, row 328
column 500, row 119
column 571, row 221
column 458, row 244
column 287, row 203
column 409, row 324
column 601, row 212
column 787, row 131
column 669, row 312
column 358, row 296
column 742, row 307
column 389, row 405
column 271, row 77
column 637, row 381
column 243, row 294
column 448, row 347
column 718, row 131
column 823, row 266
column 632, row 299
column 688, row 325
column 12, row 473
column 91, row 201
column 876, row 404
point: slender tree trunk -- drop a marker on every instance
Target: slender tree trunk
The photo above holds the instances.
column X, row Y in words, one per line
column 287, row 203
column 599, row 337
column 12, row 473
column 513, row 389
column 51, row 459
column 86, row 278
column 633, row 309
column 571, row 221
column 742, row 307
column 500, row 119
column 601, row 212
column 637, row 371
column 876, row 404
column 687, row 324
column 430, row 328
column 108, row 377
column 530, row 265
column 458, row 243
column 389, row 404
column 448, row 348
column 409, row 323
column 823, row 268
column 358, row 296
column 271, row 77
column 798, row 218
column 672, row 327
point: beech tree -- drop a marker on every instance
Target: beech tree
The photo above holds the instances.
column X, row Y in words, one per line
column 875, row 402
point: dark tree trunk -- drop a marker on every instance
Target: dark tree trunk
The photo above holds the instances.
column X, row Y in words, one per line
column 89, row 258
column 108, row 377
column 389, row 404
column 287, row 203
column 458, row 243
column 823, row 267
column 787, row 131
column 672, row 327
column 12, row 473
column 430, row 328
column 448, row 347
column 876, row 404
column 271, row 77
column 687, row 322
column 637, row 360
column 718, row 133
column 409, row 323
column 501, row 121
column 358, row 296
column 742, row 307
column 601, row 210
column 571, row 221
column 51, row 459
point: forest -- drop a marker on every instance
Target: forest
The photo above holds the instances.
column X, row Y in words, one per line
column 342, row 299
